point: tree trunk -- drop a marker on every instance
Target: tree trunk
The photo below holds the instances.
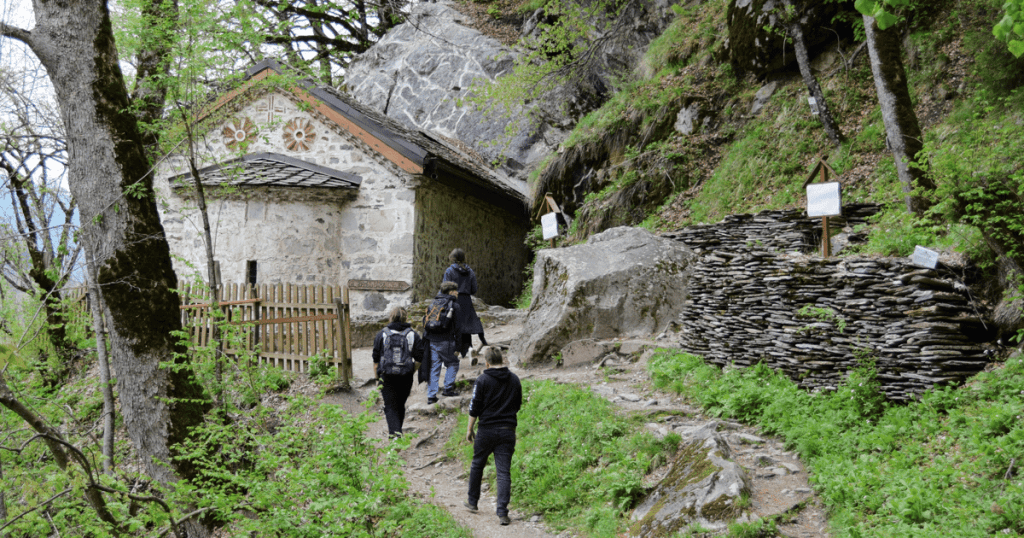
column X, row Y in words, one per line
column 796, row 30
column 42, row 262
column 96, row 308
column 903, row 133
column 75, row 42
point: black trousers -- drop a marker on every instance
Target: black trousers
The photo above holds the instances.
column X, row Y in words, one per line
column 502, row 443
column 395, row 392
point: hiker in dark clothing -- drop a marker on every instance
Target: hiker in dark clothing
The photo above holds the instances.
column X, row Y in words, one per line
column 497, row 397
column 396, row 384
column 461, row 274
column 443, row 345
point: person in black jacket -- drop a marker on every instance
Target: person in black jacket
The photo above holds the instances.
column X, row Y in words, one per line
column 442, row 346
column 469, row 323
column 497, row 397
column 395, row 388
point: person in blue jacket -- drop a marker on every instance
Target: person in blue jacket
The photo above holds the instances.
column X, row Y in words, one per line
column 441, row 346
column 469, row 324
column 497, row 398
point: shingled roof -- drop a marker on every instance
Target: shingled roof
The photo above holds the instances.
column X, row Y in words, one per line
column 415, row 151
column 271, row 169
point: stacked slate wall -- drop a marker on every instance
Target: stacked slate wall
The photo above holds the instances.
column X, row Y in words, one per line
column 748, row 288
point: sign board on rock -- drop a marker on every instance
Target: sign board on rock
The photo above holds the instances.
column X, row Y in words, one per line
column 549, row 225
column 378, row 285
column 924, row 257
column 824, row 200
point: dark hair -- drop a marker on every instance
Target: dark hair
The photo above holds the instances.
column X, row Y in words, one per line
column 448, row 286
column 457, row 256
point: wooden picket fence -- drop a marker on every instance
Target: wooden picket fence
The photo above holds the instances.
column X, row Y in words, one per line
column 284, row 324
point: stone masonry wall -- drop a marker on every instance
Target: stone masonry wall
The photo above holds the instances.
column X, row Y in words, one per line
column 296, row 235
column 492, row 238
column 745, row 302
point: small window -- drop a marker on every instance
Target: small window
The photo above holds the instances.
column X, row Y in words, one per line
column 250, row 272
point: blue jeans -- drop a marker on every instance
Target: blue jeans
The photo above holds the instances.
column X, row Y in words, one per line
column 502, row 443
column 442, row 352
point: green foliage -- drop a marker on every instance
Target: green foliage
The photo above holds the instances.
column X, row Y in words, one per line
column 556, row 56
column 824, row 315
column 933, row 467
column 764, row 166
column 754, row 529
column 1011, row 27
column 320, row 367
column 348, row 485
column 534, row 241
column 578, row 461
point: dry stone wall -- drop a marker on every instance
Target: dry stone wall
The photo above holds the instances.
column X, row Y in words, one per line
column 754, row 296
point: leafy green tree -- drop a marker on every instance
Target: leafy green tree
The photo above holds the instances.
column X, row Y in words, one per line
column 33, row 160
column 110, row 177
column 1011, row 27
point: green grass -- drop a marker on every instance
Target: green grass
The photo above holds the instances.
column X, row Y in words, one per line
column 934, row 467
column 578, row 460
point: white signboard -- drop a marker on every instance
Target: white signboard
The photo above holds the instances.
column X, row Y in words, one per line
column 824, row 200
column 549, row 225
column 814, row 105
column 925, row 258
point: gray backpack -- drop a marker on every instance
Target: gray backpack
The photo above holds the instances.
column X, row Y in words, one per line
column 396, row 357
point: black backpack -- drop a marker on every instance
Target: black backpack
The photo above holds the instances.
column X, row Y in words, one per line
column 396, row 358
column 439, row 315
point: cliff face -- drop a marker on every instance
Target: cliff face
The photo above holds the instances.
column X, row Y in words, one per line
column 422, row 71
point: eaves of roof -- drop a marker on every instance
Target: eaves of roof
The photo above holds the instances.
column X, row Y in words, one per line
column 271, row 170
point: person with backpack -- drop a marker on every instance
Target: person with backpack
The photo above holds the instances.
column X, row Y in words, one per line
column 469, row 324
column 441, row 330
column 397, row 352
column 497, row 397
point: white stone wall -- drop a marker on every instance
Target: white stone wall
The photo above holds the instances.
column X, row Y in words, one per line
column 297, row 235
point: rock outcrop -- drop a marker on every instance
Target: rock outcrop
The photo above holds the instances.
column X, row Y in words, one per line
column 704, row 487
column 622, row 282
column 758, row 38
column 421, row 70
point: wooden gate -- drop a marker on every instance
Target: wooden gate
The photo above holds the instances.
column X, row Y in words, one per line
column 284, row 324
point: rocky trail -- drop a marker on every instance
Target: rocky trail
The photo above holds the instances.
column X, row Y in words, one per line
column 778, row 480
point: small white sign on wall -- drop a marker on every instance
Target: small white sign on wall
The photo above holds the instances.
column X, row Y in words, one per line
column 924, row 257
column 824, row 200
column 549, row 225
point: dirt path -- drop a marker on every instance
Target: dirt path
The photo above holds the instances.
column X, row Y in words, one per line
column 778, row 479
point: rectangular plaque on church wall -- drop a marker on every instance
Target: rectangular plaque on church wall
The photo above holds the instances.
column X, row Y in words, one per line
column 378, row 285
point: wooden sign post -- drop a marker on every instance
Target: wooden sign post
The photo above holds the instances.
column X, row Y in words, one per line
column 550, row 220
column 824, row 200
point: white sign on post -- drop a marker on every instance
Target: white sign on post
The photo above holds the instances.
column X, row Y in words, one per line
column 824, row 200
column 814, row 105
column 549, row 225
column 924, row 257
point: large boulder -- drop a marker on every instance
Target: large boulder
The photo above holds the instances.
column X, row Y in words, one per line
column 420, row 72
column 623, row 282
column 703, row 486
column 758, row 39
